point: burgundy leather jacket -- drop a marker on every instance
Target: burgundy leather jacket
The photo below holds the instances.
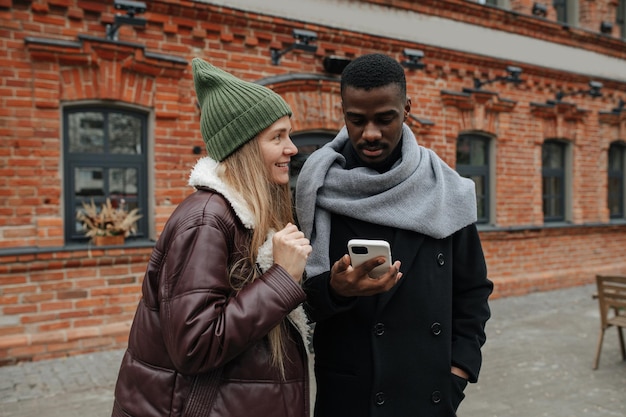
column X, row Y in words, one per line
column 189, row 322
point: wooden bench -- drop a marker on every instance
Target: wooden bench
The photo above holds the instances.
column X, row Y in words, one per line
column 612, row 302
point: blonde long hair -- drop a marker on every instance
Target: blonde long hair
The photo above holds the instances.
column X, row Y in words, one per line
column 271, row 205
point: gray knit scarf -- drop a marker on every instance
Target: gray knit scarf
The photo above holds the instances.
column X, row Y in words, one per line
column 420, row 193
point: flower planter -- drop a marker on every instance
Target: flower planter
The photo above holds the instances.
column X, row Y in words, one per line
column 108, row 225
column 108, row 240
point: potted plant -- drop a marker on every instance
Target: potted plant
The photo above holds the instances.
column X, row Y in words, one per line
column 107, row 225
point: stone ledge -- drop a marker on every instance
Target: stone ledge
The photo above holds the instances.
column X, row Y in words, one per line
column 67, row 342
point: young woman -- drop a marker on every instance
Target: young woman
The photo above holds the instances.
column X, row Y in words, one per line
column 219, row 330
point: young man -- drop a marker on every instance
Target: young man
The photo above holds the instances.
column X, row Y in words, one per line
column 405, row 343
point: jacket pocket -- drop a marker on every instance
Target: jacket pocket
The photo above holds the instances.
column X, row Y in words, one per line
column 144, row 390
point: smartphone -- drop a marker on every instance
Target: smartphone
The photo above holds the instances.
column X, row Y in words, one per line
column 360, row 250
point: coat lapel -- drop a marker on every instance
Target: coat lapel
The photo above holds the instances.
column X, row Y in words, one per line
column 406, row 254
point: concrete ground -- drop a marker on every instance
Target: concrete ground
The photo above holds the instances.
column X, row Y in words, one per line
column 537, row 362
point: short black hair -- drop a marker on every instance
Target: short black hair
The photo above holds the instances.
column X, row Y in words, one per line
column 372, row 71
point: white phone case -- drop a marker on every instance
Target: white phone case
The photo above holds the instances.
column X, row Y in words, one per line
column 360, row 250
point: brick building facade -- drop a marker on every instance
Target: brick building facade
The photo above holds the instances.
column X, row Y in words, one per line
column 91, row 109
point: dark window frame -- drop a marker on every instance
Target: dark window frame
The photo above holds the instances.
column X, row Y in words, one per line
column 105, row 161
column 483, row 171
column 304, row 141
column 564, row 11
column 620, row 17
column 616, row 175
column 560, row 175
column 560, row 6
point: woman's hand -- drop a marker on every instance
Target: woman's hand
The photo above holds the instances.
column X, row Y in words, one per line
column 291, row 250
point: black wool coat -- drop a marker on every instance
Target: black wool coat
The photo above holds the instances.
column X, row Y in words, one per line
column 390, row 354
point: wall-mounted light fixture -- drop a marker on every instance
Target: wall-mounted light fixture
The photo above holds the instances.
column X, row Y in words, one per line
column 303, row 42
column 606, row 27
column 620, row 107
column 413, row 59
column 540, row 10
column 513, row 76
column 132, row 8
column 594, row 91
column 335, row 64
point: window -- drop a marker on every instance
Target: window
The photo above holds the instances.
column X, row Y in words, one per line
column 472, row 161
column 617, row 174
column 498, row 3
column 307, row 143
column 566, row 11
column 104, row 157
column 553, row 180
column 620, row 17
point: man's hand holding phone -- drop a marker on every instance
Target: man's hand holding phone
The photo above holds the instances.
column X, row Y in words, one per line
column 366, row 271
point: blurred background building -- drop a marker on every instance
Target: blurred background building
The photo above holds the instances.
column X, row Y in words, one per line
column 524, row 97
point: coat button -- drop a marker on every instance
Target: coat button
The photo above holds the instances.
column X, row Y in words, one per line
column 435, row 397
column 435, row 328
column 380, row 398
column 441, row 259
column 379, row 329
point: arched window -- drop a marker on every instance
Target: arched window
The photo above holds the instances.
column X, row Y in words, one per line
column 307, row 143
column 617, row 175
column 472, row 161
column 104, row 151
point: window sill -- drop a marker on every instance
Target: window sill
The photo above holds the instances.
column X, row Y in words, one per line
column 74, row 247
column 548, row 226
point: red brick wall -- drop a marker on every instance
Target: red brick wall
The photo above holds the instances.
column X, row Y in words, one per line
column 528, row 260
column 57, row 300
column 75, row 301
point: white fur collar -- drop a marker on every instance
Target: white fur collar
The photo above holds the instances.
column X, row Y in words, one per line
column 205, row 174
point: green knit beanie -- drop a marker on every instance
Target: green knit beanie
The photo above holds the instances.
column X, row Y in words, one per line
column 232, row 111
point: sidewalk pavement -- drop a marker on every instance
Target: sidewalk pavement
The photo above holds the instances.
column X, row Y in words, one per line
column 537, row 362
